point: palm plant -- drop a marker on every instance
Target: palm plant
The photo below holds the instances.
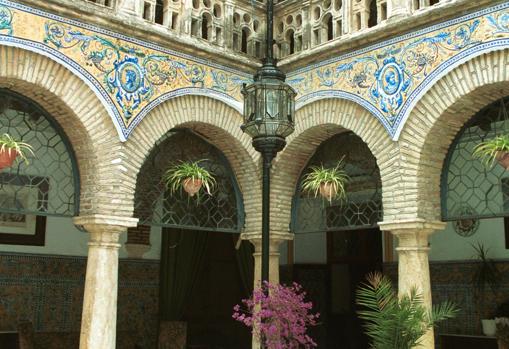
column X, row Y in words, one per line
column 493, row 149
column 328, row 182
column 394, row 322
column 487, row 273
column 189, row 176
column 10, row 149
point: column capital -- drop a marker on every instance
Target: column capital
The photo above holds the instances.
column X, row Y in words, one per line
column 412, row 234
column 275, row 237
column 397, row 227
column 105, row 222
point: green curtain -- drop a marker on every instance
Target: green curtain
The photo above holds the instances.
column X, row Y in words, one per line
column 182, row 253
column 245, row 263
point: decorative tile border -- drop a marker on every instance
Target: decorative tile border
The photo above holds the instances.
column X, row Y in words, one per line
column 389, row 78
column 131, row 77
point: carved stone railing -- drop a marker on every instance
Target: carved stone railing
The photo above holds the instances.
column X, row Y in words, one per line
column 105, row 3
column 238, row 26
column 302, row 25
column 233, row 25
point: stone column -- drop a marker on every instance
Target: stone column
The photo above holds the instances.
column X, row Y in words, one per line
column 275, row 240
column 130, row 7
column 397, row 9
column 99, row 317
column 413, row 263
column 229, row 10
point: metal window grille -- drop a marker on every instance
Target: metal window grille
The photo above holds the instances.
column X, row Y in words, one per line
column 154, row 205
column 49, row 183
column 363, row 205
column 470, row 189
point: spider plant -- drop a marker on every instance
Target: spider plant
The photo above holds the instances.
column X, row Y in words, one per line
column 394, row 322
column 329, row 182
column 492, row 149
column 13, row 148
column 189, row 176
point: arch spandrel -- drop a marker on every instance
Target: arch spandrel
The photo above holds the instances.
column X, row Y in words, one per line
column 390, row 77
column 130, row 77
column 436, row 120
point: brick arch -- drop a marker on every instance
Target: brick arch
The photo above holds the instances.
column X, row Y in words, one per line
column 219, row 124
column 435, row 121
column 315, row 123
column 82, row 117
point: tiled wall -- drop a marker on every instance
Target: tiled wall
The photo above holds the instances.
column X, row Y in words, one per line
column 452, row 281
column 48, row 291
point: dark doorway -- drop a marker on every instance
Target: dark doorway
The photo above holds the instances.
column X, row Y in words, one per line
column 350, row 256
column 219, row 282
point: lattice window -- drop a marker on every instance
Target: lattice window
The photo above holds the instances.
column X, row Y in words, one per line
column 49, row 184
column 222, row 211
column 469, row 188
column 363, row 206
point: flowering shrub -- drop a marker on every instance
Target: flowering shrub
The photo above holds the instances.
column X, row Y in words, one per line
column 278, row 316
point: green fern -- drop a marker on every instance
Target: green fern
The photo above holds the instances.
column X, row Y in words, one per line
column 397, row 323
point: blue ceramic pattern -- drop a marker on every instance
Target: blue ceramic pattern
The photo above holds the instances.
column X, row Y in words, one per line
column 5, row 21
column 131, row 77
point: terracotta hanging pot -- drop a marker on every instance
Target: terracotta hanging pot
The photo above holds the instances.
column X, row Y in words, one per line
column 328, row 190
column 7, row 158
column 192, row 186
column 503, row 159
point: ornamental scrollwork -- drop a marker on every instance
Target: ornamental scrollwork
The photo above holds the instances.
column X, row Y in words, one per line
column 6, row 17
column 385, row 77
column 500, row 22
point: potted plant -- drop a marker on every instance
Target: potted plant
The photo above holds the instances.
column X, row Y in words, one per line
column 190, row 176
column 328, row 182
column 279, row 316
column 394, row 322
column 494, row 149
column 10, row 150
column 486, row 274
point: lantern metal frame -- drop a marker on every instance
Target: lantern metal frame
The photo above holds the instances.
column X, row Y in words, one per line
column 269, row 109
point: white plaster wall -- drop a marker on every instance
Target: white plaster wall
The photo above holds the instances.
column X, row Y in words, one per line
column 447, row 245
column 63, row 238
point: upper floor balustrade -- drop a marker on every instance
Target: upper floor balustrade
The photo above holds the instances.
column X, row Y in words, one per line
column 238, row 26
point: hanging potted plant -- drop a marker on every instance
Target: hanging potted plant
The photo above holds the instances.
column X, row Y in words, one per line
column 10, row 150
column 189, row 176
column 494, row 149
column 328, row 182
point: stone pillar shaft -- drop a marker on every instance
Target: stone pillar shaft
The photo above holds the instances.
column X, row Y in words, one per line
column 413, row 261
column 99, row 316
column 275, row 240
column 398, row 8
